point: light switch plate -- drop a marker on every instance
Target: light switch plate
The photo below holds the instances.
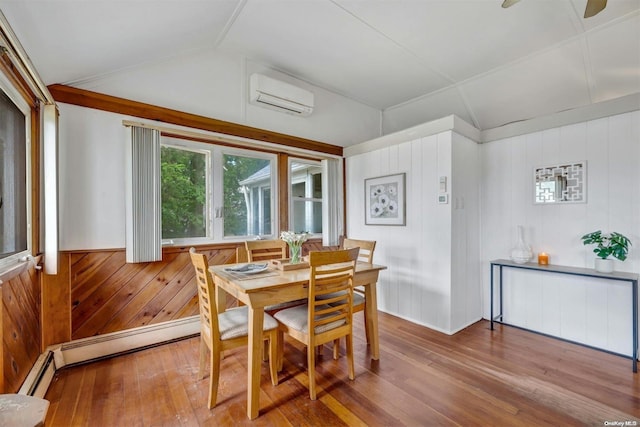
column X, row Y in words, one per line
column 443, row 198
column 443, row 184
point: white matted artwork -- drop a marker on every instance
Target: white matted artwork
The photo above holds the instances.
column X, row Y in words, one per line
column 564, row 183
column 385, row 200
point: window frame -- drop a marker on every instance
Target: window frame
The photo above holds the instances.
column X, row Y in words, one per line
column 215, row 189
column 316, row 163
column 185, row 145
column 12, row 93
column 224, row 150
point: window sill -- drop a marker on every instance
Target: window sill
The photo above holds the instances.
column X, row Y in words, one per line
column 15, row 269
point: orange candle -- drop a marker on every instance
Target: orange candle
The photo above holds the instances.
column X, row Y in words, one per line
column 543, row 258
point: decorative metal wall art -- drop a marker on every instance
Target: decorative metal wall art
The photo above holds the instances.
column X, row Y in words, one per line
column 563, row 183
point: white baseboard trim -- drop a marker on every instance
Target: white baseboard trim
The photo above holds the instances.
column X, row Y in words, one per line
column 466, row 325
column 430, row 326
column 101, row 346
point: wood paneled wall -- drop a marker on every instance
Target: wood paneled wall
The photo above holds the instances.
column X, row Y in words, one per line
column 21, row 326
column 20, row 286
column 109, row 295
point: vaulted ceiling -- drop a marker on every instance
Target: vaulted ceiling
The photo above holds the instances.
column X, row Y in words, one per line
column 472, row 58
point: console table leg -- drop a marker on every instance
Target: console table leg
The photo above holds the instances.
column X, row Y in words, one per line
column 492, row 296
column 501, row 299
column 634, row 303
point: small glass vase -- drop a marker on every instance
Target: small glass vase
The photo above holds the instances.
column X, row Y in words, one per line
column 294, row 252
column 522, row 252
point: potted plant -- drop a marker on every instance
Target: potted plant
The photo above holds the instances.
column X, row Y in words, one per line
column 614, row 244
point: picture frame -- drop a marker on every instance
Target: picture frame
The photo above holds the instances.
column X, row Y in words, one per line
column 385, row 200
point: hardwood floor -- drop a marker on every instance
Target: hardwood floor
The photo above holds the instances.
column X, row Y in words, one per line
column 477, row 377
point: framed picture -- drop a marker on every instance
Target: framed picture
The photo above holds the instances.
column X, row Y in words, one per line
column 384, row 200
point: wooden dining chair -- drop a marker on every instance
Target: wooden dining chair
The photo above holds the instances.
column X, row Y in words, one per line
column 225, row 331
column 241, row 254
column 367, row 247
column 365, row 254
column 265, row 250
column 323, row 320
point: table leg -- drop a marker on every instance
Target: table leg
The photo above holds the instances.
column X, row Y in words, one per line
column 221, row 299
column 371, row 308
column 256, row 321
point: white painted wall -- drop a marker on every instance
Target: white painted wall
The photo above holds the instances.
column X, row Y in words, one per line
column 215, row 84
column 425, row 109
column 91, row 179
column 92, row 142
column 418, row 284
column 466, row 289
column 428, row 280
column 589, row 311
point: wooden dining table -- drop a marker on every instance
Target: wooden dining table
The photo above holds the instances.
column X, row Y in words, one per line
column 275, row 286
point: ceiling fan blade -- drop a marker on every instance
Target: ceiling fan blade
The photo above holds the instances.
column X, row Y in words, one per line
column 594, row 7
column 507, row 3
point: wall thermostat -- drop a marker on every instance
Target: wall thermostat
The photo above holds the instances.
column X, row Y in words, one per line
column 443, row 198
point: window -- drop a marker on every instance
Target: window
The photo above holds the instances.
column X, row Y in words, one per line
column 212, row 193
column 306, row 196
column 247, row 196
column 15, row 239
column 183, row 175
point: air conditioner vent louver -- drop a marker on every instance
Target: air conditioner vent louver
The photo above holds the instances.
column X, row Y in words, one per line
column 276, row 95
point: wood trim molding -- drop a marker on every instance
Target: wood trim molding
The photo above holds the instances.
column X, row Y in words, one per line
column 56, row 304
column 9, row 69
column 36, row 173
column 99, row 101
column 283, row 184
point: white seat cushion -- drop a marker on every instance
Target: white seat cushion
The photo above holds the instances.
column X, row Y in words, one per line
column 234, row 323
column 297, row 318
column 286, row 304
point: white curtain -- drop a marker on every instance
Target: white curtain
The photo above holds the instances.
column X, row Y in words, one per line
column 143, row 209
column 333, row 202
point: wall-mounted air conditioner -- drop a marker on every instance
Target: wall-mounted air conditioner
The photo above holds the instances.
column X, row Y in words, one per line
column 276, row 95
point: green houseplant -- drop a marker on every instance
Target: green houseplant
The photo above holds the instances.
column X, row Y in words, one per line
column 614, row 244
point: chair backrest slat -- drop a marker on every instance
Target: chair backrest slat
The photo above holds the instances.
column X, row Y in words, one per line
column 264, row 250
column 331, row 272
column 367, row 247
column 206, row 297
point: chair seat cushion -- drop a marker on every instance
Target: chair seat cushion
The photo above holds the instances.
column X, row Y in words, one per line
column 234, row 323
column 358, row 299
column 297, row 318
column 284, row 305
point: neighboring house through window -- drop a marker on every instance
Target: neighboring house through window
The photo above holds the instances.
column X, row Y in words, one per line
column 306, row 196
column 305, row 212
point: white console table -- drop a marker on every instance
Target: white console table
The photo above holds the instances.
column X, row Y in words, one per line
column 632, row 278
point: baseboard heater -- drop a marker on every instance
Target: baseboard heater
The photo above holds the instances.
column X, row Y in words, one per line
column 40, row 376
column 103, row 346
